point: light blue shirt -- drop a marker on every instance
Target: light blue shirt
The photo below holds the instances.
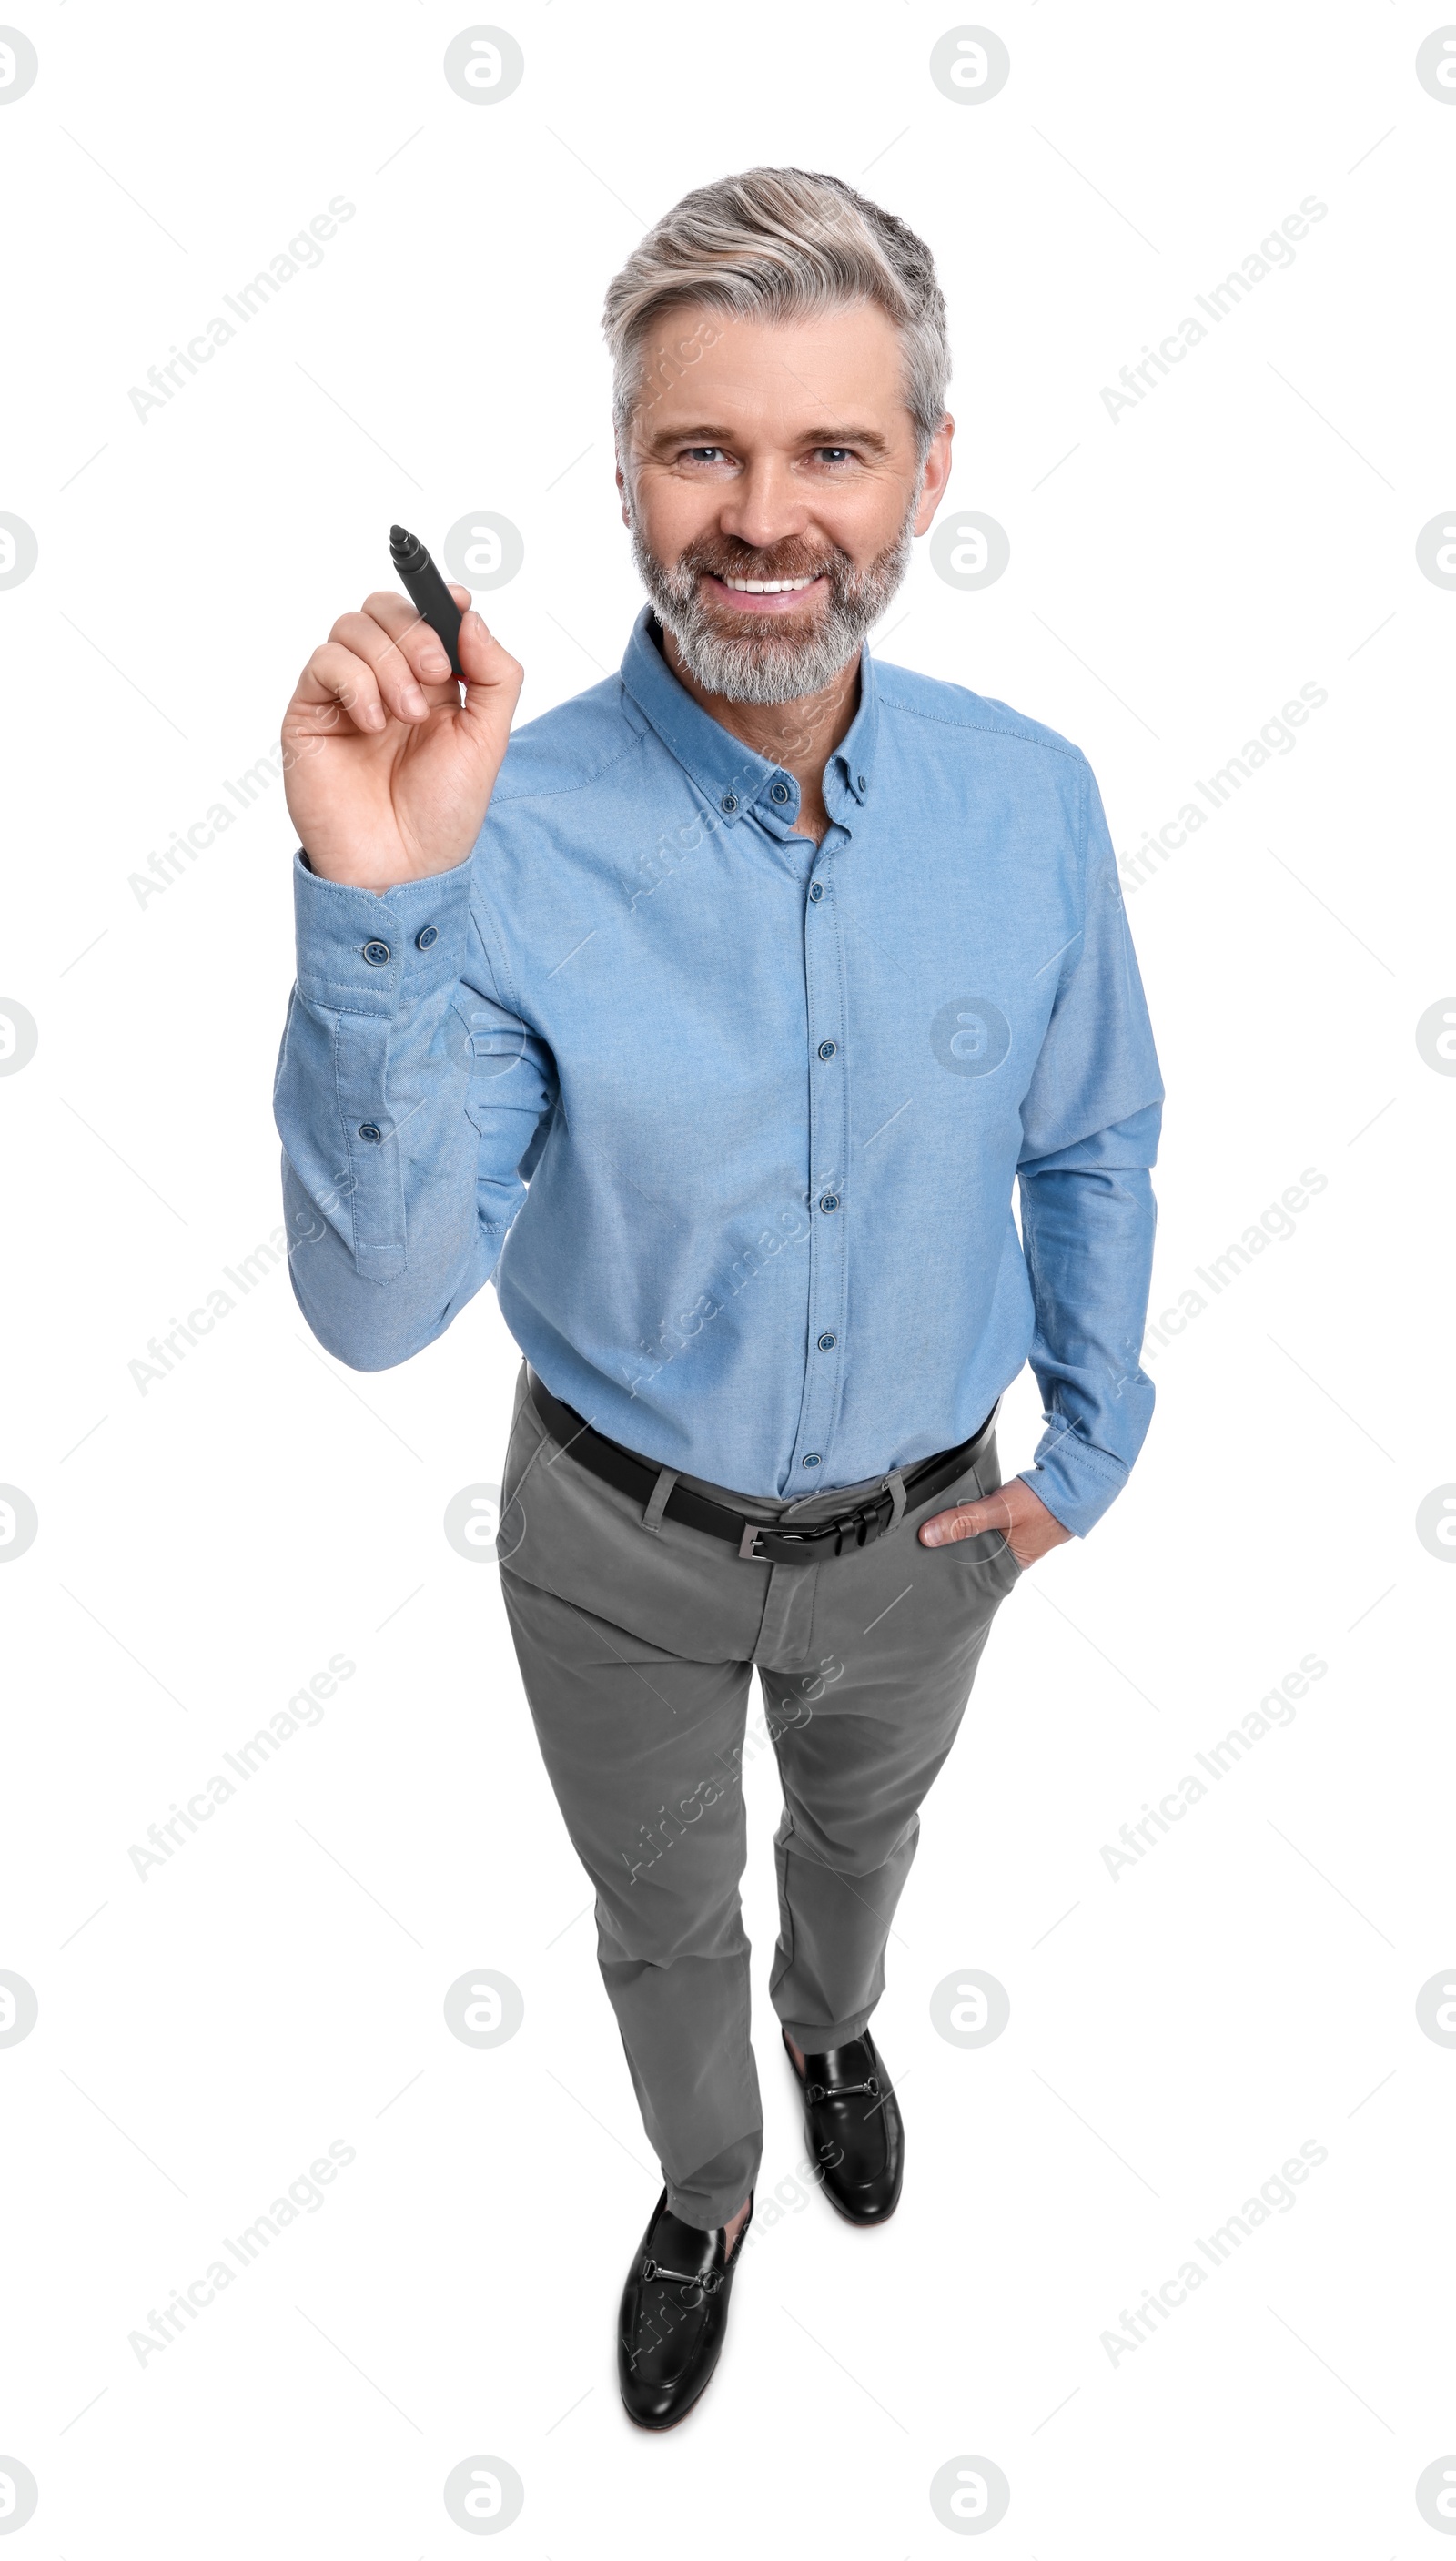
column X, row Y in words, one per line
column 734, row 1120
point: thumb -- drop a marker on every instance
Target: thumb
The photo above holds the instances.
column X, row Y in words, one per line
column 965, row 1520
column 493, row 680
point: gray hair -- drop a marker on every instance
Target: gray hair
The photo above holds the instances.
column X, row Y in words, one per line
column 777, row 242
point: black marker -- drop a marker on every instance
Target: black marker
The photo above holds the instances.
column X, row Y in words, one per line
column 427, row 592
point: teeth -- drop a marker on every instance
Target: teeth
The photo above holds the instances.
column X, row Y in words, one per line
column 768, row 586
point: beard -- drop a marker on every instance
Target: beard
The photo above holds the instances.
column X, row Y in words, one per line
column 796, row 653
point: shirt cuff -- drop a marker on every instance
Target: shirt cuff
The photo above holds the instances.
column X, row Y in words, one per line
column 359, row 954
column 1076, row 1483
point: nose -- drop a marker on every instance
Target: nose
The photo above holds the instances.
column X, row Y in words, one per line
column 762, row 507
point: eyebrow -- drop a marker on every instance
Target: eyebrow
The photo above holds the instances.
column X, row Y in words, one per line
column 868, row 437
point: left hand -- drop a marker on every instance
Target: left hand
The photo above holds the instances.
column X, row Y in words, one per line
column 1021, row 1517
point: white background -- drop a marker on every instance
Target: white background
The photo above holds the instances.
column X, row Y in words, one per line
column 204, row 1547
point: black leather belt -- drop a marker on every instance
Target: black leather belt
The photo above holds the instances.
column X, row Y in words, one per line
column 857, row 1526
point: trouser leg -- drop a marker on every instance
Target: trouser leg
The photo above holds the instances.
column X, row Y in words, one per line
column 644, row 1751
column 860, row 1738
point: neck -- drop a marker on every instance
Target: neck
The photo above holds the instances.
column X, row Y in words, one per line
column 801, row 736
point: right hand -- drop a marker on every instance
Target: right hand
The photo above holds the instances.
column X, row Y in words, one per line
column 387, row 773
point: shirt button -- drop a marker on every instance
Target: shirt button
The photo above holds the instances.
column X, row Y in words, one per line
column 730, row 802
column 778, row 792
column 827, row 1049
column 377, row 955
column 366, row 1131
column 829, row 1200
column 812, row 1459
column 861, row 782
column 816, row 891
column 827, row 1343
column 428, row 934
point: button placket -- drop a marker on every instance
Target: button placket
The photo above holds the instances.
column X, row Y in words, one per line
column 826, row 1203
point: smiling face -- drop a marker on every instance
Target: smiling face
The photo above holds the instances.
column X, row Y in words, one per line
column 774, row 486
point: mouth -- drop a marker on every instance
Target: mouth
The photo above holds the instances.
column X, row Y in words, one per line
column 763, row 595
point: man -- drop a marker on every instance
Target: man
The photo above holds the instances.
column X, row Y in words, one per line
column 720, row 1043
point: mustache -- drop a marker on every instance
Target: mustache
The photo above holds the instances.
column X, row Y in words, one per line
column 728, row 559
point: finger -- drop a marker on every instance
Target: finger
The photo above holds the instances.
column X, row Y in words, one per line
column 415, row 638
column 400, row 687
column 334, row 676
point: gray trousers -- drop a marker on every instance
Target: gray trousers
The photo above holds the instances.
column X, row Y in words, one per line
column 636, row 1641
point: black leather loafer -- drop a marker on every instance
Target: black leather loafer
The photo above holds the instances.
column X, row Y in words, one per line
column 674, row 2318
column 853, row 2123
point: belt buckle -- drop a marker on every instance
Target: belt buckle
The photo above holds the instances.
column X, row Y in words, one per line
column 800, row 1543
column 857, row 1528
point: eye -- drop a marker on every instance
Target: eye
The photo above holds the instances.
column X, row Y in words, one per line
column 835, row 452
column 704, row 454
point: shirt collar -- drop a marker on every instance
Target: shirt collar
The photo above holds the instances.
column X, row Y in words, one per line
column 733, row 777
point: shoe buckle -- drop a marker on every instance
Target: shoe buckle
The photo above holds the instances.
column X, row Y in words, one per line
column 708, row 2279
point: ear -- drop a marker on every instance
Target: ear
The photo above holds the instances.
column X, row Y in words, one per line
column 623, row 491
column 934, row 475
